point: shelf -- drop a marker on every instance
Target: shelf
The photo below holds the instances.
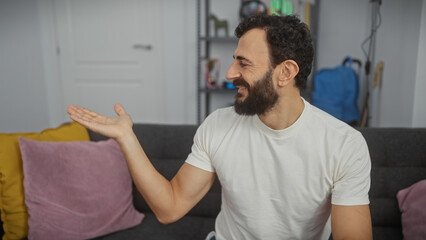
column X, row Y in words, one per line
column 220, row 39
column 218, row 90
column 207, row 42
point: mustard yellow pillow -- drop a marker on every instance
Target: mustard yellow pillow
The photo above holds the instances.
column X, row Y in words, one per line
column 13, row 210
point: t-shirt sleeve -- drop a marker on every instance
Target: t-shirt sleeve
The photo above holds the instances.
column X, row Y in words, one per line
column 200, row 156
column 352, row 179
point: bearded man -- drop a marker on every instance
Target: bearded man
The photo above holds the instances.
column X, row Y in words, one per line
column 287, row 169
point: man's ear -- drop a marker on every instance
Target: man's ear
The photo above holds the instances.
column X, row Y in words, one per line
column 288, row 70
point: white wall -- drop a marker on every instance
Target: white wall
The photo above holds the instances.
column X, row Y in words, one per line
column 30, row 93
column 340, row 33
column 29, row 97
column 343, row 26
column 419, row 109
column 229, row 11
column 23, row 103
column 397, row 46
column 180, row 60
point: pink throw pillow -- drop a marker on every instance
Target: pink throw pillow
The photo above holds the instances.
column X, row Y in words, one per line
column 76, row 190
column 412, row 203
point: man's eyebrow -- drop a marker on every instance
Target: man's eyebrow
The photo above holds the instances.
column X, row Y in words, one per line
column 241, row 58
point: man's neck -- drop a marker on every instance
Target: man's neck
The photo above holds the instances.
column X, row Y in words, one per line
column 284, row 113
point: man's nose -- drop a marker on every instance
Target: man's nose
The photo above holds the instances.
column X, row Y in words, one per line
column 233, row 72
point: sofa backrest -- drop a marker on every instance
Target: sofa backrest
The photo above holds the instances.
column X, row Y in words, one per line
column 167, row 147
column 398, row 159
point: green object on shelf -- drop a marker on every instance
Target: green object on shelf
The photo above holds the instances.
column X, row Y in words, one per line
column 275, row 7
column 281, row 7
column 287, row 7
column 219, row 24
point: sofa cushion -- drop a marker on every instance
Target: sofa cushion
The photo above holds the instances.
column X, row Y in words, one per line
column 76, row 190
column 412, row 203
column 387, row 233
column 13, row 210
column 189, row 227
column 160, row 140
column 167, row 147
column 397, row 160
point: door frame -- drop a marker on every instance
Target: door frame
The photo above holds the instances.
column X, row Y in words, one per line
column 50, row 58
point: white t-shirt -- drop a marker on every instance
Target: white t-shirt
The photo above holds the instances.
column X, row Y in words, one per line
column 280, row 184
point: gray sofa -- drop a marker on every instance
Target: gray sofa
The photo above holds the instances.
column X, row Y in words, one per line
column 398, row 157
column 398, row 160
column 167, row 146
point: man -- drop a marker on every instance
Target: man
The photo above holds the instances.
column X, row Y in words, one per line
column 285, row 166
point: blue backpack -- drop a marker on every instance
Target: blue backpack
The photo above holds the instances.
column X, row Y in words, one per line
column 336, row 91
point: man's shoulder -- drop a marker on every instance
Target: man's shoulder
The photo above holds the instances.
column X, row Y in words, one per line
column 326, row 123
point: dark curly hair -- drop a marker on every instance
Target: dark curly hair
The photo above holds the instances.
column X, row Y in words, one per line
column 288, row 38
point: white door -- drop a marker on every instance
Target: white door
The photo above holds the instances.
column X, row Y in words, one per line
column 109, row 52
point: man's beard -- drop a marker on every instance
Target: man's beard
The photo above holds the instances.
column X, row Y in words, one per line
column 261, row 97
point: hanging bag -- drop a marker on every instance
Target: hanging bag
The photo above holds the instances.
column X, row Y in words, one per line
column 336, row 91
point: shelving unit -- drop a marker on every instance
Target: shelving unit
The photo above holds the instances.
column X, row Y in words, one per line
column 204, row 44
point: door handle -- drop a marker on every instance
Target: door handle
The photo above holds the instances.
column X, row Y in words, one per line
column 142, row 46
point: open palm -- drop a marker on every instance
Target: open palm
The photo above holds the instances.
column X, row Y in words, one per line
column 107, row 126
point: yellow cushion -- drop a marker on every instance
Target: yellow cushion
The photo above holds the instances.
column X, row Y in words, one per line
column 13, row 210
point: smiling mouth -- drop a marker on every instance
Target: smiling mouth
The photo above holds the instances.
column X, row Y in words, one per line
column 241, row 89
column 241, row 84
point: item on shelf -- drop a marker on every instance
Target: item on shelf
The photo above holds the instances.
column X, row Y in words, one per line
column 211, row 72
column 219, row 24
column 252, row 7
column 228, row 85
column 281, row 7
column 307, row 15
column 215, row 87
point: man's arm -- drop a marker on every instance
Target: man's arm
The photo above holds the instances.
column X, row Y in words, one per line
column 169, row 200
column 351, row 222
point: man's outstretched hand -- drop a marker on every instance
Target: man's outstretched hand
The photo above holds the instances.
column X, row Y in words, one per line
column 110, row 127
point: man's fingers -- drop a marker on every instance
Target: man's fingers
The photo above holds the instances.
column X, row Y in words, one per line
column 76, row 113
column 71, row 109
column 97, row 122
column 76, row 110
column 88, row 112
column 82, row 112
column 80, row 120
column 85, row 120
column 85, row 111
column 119, row 109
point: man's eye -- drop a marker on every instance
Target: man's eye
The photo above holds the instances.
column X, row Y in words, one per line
column 243, row 64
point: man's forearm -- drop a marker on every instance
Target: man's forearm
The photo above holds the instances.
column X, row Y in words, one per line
column 156, row 190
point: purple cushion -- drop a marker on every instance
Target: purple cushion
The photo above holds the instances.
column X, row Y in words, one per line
column 76, row 190
column 412, row 203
